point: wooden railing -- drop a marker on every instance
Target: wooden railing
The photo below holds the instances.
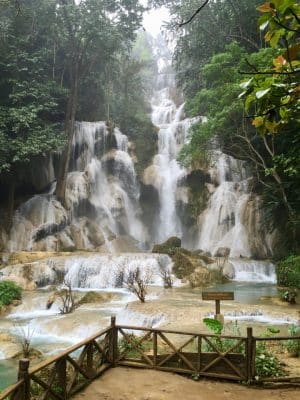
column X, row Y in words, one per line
column 198, row 354
column 61, row 376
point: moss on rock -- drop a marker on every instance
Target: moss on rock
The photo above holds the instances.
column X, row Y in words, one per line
column 95, row 297
column 183, row 266
column 168, row 247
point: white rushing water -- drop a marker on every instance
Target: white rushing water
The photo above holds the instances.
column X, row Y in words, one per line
column 253, row 271
column 232, row 217
column 102, row 198
column 165, row 172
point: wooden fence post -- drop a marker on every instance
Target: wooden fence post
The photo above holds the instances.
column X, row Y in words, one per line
column 61, row 366
column 154, row 349
column 249, row 354
column 89, row 359
column 24, row 392
column 113, row 342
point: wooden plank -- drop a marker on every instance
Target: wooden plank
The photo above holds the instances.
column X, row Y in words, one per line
column 46, row 387
column 11, row 390
column 177, row 352
column 136, row 346
column 217, row 295
column 184, row 359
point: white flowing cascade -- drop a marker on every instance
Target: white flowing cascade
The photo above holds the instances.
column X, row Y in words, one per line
column 166, row 171
column 221, row 222
column 108, row 271
column 102, row 177
column 253, row 271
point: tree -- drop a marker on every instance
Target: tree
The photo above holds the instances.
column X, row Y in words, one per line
column 137, row 282
column 90, row 32
column 30, row 99
column 272, row 99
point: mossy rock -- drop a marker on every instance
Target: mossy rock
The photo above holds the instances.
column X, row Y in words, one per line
column 183, row 265
column 95, row 297
column 168, row 246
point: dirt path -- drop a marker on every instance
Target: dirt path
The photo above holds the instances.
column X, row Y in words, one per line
column 133, row 384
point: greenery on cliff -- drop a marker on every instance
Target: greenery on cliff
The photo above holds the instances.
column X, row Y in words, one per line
column 238, row 64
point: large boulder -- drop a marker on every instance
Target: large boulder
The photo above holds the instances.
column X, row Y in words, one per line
column 168, row 246
column 228, row 270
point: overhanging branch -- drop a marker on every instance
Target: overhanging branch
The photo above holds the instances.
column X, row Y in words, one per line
column 194, row 15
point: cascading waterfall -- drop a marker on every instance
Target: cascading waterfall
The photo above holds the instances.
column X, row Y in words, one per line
column 231, row 218
column 165, row 172
column 103, row 191
column 221, row 224
column 102, row 197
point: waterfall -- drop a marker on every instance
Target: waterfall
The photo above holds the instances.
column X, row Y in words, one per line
column 103, row 202
column 229, row 220
column 165, row 172
column 103, row 271
column 108, row 271
column 102, row 198
column 253, row 271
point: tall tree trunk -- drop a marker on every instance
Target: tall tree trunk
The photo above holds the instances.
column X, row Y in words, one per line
column 69, row 129
column 10, row 204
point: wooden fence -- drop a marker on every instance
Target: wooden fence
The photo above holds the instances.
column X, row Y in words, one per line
column 198, row 354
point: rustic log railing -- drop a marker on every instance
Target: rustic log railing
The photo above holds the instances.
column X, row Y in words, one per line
column 198, row 354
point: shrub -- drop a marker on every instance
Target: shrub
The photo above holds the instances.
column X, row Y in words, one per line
column 9, row 291
column 288, row 272
column 266, row 364
column 293, row 345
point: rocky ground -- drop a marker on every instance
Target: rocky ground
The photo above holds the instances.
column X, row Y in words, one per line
column 132, row 384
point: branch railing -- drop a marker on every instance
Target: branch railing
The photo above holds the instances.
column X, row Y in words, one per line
column 198, row 354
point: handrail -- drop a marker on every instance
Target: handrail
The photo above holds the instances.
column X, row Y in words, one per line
column 69, row 350
column 171, row 331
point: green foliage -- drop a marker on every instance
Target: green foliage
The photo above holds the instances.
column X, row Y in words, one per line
column 293, row 345
column 214, row 325
column 9, row 291
column 222, row 344
column 30, row 119
column 288, row 272
column 266, row 363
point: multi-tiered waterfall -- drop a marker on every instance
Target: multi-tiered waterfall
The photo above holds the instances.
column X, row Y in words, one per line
column 104, row 210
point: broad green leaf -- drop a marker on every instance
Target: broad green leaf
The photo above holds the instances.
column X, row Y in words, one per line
column 262, row 93
column 214, row 325
column 245, row 85
column 263, row 26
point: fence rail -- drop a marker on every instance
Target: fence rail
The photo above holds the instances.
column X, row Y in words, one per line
column 193, row 353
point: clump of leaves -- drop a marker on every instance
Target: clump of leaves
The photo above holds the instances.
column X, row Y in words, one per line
column 266, row 363
column 9, row 291
column 293, row 345
column 222, row 344
column 288, row 272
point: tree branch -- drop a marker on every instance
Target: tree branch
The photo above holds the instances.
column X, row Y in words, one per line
column 194, row 15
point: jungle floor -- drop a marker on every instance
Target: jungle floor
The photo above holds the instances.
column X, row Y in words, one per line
column 133, row 384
